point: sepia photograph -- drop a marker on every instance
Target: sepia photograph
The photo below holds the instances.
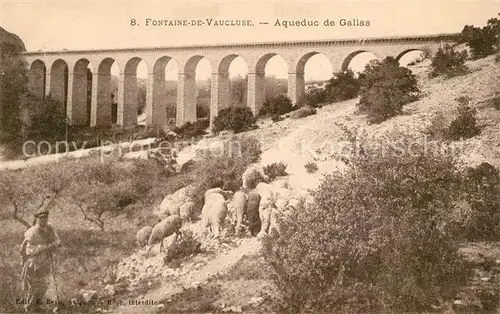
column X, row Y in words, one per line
column 249, row 156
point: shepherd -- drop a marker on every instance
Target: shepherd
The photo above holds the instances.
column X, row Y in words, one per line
column 37, row 250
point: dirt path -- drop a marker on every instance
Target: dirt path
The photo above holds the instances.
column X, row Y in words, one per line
column 220, row 264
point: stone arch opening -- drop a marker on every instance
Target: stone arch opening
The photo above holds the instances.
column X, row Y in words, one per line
column 37, row 78
column 238, row 81
column 357, row 61
column 275, row 71
column 313, row 71
column 410, row 57
column 59, row 82
column 104, row 112
column 134, row 92
column 232, row 81
column 197, row 87
column 261, row 87
column 164, row 102
column 81, row 97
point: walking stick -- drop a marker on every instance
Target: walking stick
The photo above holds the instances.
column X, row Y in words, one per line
column 55, row 284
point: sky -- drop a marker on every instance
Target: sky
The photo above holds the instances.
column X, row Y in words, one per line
column 57, row 25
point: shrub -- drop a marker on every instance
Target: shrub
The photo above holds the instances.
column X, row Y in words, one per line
column 276, row 169
column 448, row 62
column 342, row 87
column 314, row 96
column 385, row 88
column 277, row 105
column 311, row 167
column 224, row 166
column 497, row 57
column 202, row 111
column 277, row 118
column 184, row 247
column 482, row 41
column 426, row 53
column 464, row 125
column 376, row 238
column 438, row 127
column 482, row 188
column 302, row 112
column 192, row 129
column 237, row 119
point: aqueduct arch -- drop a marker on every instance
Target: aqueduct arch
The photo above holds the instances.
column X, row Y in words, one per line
column 102, row 96
column 186, row 95
column 156, row 108
column 296, row 81
column 79, row 108
column 36, row 74
column 59, row 81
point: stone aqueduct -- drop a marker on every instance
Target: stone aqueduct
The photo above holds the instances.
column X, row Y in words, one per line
column 47, row 74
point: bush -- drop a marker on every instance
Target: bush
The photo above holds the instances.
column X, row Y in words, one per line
column 311, row 167
column 277, row 118
column 385, row 88
column 192, row 129
column 202, row 111
column 438, row 127
column 276, row 169
column 482, row 187
column 464, row 125
column 277, row 105
column 314, row 96
column 237, row 119
column 342, row 87
column 302, row 112
column 46, row 120
column 448, row 62
column 497, row 57
column 224, row 166
column 377, row 238
column 482, row 41
column 184, row 247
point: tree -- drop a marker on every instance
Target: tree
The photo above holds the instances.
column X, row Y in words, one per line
column 13, row 84
column 26, row 190
column 482, row 41
column 448, row 62
column 385, row 88
column 46, row 119
column 106, row 188
column 342, row 87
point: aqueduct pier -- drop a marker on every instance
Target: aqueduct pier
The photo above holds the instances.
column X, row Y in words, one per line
column 63, row 74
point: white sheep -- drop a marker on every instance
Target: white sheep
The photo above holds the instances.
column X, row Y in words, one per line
column 166, row 227
column 252, row 176
column 253, row 202
column 142, row 236
column 240, row 205
column 214, row 210
column 267, row 203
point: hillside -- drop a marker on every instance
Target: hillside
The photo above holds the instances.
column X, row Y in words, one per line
column 212, row 285
column 231, row 276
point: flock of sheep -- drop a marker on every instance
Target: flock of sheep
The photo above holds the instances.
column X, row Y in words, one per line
column 251, row 201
